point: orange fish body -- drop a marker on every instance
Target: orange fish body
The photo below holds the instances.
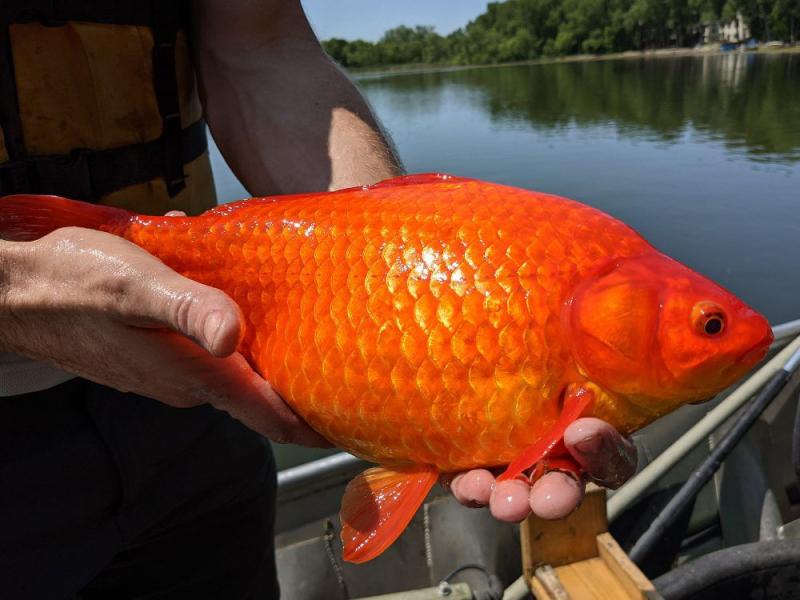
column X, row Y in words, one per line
column 432, row 324
column 412, row 323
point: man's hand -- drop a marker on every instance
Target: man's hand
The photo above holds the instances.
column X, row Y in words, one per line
column 607, row 457
column 103, row 308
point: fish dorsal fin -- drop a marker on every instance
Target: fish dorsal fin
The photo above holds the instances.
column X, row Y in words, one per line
column 576, row 402
column 420, row 178
column 378, row 505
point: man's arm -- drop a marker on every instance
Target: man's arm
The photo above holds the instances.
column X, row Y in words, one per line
column 285, row 117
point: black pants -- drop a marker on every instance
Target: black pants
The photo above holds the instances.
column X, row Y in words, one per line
column 110, row 495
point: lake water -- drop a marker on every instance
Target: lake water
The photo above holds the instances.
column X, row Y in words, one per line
column 699, row 154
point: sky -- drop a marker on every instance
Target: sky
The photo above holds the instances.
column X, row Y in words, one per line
column 368, row 19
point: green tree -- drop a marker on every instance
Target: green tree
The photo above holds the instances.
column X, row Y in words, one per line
column 517, row 30
column 362, row 54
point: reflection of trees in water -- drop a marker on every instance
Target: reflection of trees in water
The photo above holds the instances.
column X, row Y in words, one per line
column 747, row 100
column 418, row 99
column 411, row 93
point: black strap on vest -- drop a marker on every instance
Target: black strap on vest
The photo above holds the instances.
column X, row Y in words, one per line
column 165, row 31
column 9, row 111
column 91, row 174
column 58, row 12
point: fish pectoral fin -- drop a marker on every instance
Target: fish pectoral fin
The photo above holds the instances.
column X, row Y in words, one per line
column 377, row 506
column 577, row 400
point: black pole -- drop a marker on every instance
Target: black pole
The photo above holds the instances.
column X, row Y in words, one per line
column 710, row 465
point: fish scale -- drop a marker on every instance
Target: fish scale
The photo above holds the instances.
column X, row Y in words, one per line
column 405, row 324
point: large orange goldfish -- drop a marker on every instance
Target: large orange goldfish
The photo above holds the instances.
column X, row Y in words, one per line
column 432, row 323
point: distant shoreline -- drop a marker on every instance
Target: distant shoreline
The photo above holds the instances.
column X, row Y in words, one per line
column 629, row 54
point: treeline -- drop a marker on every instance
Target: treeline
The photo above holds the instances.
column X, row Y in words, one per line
column 527, row 29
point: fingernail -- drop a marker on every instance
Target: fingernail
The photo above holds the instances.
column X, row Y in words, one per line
column 576, row 477
column 211, row 328
column 591, row 445
column 552, row 484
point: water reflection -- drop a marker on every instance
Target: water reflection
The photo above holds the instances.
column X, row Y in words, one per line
column 748, row 101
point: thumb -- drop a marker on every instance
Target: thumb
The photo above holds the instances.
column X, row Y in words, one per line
column 204, row 314
column 608, row 458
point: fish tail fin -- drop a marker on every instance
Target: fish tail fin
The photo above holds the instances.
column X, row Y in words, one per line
column 378, row 505
column 26, row 217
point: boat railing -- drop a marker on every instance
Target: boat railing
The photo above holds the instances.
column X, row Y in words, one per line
column 301, row 476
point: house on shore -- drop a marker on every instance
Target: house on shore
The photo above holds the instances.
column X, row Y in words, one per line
column 732, row 31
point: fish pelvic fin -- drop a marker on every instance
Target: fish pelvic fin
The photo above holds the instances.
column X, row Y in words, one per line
column 378, row 505
column 26, row 217
column 578, row 399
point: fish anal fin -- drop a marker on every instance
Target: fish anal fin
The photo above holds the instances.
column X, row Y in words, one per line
column 420, row 178
column 377, row 506
column 577, row 401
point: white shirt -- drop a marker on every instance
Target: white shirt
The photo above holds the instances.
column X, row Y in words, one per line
column 21, row 375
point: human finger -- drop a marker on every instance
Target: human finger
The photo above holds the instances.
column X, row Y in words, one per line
column 151, row 293
column 252, row 401
column 607, row 457
column 509, row 500
column 555, row 495
column 472, row 488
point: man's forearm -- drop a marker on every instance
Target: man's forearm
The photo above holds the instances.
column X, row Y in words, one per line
column 6, row 260
column 286, row 118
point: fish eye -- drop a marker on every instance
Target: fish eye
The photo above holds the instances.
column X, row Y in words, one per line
column 713, row 325
column 708, row 318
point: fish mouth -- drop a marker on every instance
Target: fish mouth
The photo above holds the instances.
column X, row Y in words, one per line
column 757, row 352
column 739, row 367
column 702, row 400
column 748, row 359
column 752, row 357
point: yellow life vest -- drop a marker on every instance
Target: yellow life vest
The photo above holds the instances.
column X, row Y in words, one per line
column 98, row 100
